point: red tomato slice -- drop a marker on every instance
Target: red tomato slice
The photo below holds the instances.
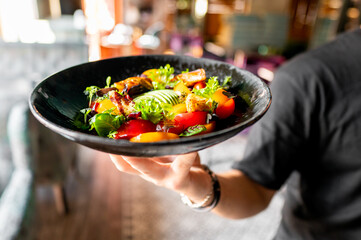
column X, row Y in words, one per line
column 172, row 127
column 225, row 110
column 191, row 119
column 133, row 128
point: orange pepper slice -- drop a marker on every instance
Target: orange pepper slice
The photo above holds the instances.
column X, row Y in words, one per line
column 154, row 137
column 105, row 105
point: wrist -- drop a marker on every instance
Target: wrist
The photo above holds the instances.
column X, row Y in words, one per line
column 200, row 184
column 205, row 193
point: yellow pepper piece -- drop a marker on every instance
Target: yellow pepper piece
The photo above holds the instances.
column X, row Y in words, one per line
column 154, row 137
column 105, row 105
column 179, row 108
column 181, row 87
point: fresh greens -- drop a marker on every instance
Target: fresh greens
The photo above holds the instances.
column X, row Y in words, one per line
column 212, row 86
column 105, row 123
column 81, row 119
column 163, row 78
column 108, row 81
column 90, row 92
column 193, row 130
column 112, row 134
column 152, row 109
column 227, row 81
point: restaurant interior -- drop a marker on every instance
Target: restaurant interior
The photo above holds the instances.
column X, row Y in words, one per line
column 52, row 188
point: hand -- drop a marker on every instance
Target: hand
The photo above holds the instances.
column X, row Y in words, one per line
column 181, row 173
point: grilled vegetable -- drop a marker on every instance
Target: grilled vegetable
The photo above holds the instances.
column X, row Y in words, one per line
column 101, row 92
column 123, row 104
column 134, row 85
column 191, row 78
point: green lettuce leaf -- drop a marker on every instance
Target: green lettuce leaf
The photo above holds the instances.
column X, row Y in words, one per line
column 104, row 123
column 193, row 130
column 152, row 110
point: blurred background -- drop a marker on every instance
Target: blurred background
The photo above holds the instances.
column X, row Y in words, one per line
column 53, row 189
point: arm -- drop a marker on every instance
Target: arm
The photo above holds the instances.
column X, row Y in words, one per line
column 240, row 196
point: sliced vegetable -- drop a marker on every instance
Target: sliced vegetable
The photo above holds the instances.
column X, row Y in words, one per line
column 179, row 108
column 220, row 97
column 124, row 105
column 171, row 127
column 191, row 78
column 106, row 105
column 183, row 89
column 154, row 137
column 225, row 110
column 133, row 128
column 209, row 127
column 134, row 85
column 148, row 73
column 104, row 123
column 162, row 96
column 191, row 119
column 193, row 130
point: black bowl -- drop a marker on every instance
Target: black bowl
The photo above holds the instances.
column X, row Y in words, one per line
column 57, row 100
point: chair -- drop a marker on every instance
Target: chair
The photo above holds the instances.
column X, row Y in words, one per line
column 17, row 200
column 39, row 157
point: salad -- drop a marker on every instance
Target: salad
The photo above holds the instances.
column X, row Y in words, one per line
column 157, row 105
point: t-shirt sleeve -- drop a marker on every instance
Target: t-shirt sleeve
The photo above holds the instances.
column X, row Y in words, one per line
column 275, row 143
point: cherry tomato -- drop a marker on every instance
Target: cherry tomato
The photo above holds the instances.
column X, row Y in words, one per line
column 154, row 137
column 200, row 85
column 219, row 97
column 191, row 119
column 170, row 127
column 133, row 128
column 225, row 110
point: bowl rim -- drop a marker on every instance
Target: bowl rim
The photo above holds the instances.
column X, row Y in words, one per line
column 81, row 136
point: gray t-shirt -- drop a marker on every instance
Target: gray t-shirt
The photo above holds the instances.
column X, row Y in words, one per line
column 311, row 139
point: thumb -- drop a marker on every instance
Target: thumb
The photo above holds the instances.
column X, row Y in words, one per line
column 183, row 163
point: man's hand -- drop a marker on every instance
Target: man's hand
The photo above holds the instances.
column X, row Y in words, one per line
column 240, row 196
column 180, row 173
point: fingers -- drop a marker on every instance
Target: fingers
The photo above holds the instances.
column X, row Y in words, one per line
column 148, row 167
column 123, row 165
column 170, row 171
column 183, row 163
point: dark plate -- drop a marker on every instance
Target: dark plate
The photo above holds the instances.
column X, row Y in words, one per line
column 57, row 99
